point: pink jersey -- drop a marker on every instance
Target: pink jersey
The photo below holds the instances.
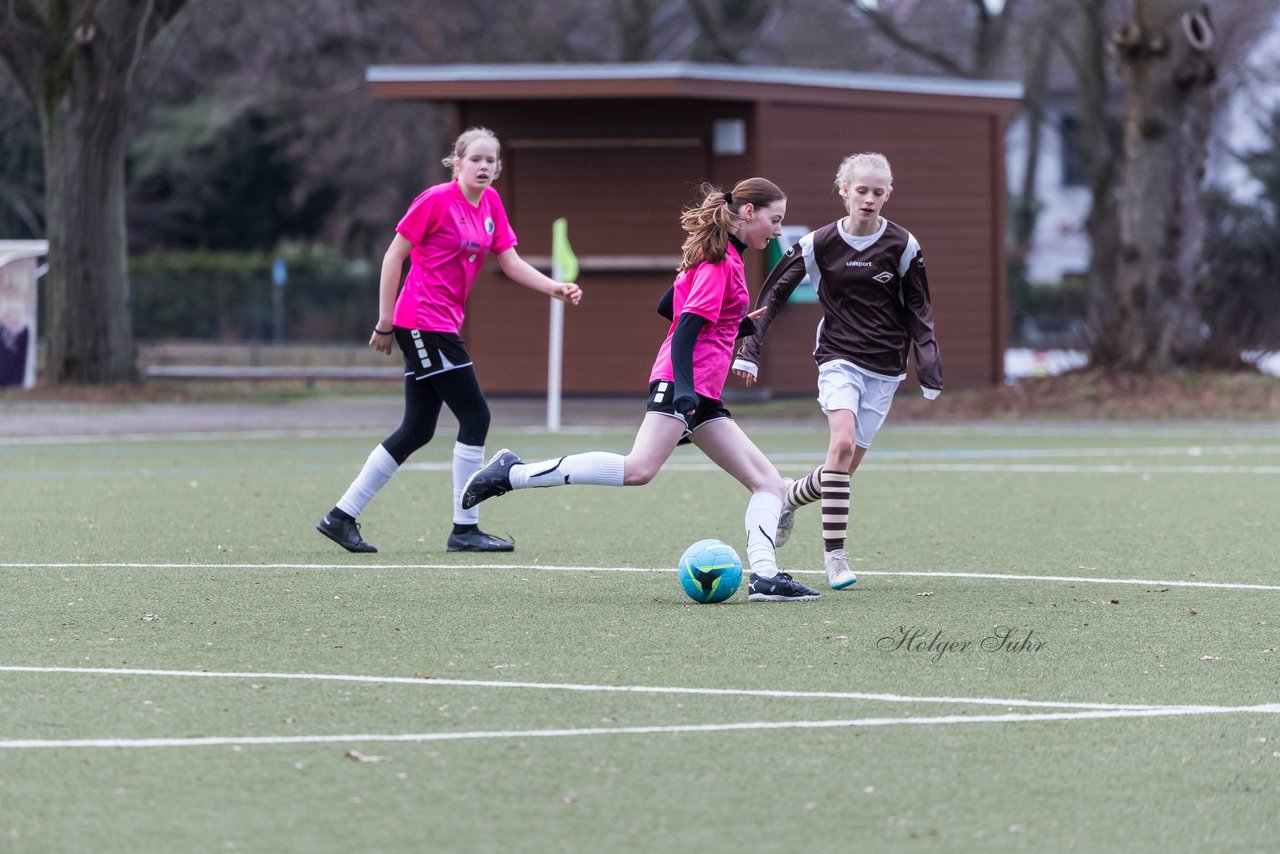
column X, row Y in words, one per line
column 717, row 292
column 451, row 238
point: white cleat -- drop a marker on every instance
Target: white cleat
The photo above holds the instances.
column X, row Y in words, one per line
column 839, row 575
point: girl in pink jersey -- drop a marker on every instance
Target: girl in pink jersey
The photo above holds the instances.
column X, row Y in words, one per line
column 709, row 302
column 447, row 232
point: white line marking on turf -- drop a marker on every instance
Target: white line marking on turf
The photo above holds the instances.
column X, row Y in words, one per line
column 214, row 741
column 1073, row 579
column 1194, row 430
column 267, row 434
column 806, row 464
column 365, row 567
column 1202, row 450
column 569, row 686
column 1047, row 468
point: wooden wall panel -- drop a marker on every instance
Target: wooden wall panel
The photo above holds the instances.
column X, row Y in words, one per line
column 580, row 159
column 610, row 339
column 944, row 193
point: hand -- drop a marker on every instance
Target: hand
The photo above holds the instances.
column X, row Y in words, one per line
column 748, row 378
column 381, row 343
column 568, row 292
column 686, row 404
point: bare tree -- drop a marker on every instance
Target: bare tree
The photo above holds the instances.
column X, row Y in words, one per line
column 75, row 61
column 997, row 38
column 727, row 27
column 1166, row 60
column 1169, row 53
column 1080, row 33
column 987, row 26
column 1025, row 204
column 1142, row 146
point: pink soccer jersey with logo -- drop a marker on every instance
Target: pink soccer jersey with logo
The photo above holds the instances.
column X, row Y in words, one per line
column 717, row 292
column 451, row 238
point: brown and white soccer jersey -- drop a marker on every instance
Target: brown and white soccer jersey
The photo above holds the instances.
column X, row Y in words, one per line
column 875, row 302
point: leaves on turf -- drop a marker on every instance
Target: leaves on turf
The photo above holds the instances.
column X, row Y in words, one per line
column 362, row 757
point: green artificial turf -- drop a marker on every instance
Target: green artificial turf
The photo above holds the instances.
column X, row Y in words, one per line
column 499, row 731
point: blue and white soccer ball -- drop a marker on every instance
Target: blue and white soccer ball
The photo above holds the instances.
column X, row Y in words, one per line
column 710, row 571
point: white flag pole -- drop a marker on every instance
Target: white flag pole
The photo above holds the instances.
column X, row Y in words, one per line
column 555, row 355
column 564, row 267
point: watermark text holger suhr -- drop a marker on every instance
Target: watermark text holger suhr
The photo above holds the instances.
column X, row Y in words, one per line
column 936, row 644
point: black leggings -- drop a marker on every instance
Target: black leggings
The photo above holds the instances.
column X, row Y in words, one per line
column 460, row 391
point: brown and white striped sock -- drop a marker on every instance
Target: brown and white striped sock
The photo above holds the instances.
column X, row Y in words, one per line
column 806, row 490
column 835, row 509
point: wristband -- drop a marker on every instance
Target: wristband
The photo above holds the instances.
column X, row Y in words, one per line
column 378, row 331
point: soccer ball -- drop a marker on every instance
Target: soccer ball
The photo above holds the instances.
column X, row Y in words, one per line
column 710, row 571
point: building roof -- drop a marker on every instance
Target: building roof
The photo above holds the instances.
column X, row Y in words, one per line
column 523, row 81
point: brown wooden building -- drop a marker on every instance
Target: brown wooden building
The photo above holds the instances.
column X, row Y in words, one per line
column 618, row 150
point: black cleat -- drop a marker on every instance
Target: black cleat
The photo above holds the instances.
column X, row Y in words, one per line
column 478, row 541
column 780, row 588
column 492, row 480
column 344, row 532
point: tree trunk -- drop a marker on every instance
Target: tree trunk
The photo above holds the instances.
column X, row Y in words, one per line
column 1165, row 62
column 90, row 322
column 1026, row 205
column 74, row 60
column 1102, row 163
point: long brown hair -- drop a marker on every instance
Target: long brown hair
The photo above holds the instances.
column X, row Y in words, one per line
column 710, row 222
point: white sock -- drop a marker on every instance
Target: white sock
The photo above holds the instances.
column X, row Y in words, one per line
column 599, row 468
column 467, row 460
column 377, row 470
column 762, row 529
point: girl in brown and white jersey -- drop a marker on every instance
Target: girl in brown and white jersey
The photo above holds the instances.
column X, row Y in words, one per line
column 869, row 276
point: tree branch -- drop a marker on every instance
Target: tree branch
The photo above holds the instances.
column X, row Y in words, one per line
column 24, row 40
column 890, row 30
column 139, row 44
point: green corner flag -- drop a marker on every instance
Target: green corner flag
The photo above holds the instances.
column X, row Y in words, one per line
column 564, row 264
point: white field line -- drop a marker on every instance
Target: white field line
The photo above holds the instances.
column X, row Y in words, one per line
column 366, row 567
column 1050, row 468
column 428, row 681
column 792, row 463
column 1003, row 468
column 268, row 434
column 214, row 741
column 982, row 468
column 1194, row 451
column 201, row 436
column 1197, row 431
column 1192, row 430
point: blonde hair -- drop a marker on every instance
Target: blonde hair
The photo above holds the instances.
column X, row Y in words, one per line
column 461, row 144
column 710, row 222
column 865, row 160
